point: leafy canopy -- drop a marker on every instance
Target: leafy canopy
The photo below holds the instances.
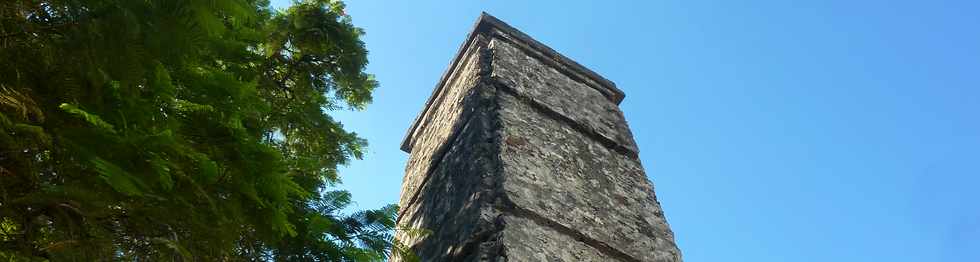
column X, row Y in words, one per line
column 181, row 130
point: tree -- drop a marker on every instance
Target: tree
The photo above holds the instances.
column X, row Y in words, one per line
column 181, row 130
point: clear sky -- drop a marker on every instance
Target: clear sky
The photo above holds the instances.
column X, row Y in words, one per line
column 772, row 130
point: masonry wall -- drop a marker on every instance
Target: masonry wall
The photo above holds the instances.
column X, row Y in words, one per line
column 453, row 163
column 518, row 157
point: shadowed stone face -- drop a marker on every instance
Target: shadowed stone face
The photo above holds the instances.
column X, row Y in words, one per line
column 523, row 155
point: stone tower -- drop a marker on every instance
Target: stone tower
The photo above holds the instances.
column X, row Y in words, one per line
column 521, row 154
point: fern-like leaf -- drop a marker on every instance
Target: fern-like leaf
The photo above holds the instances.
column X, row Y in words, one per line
column 90, row 118
column 117, row 178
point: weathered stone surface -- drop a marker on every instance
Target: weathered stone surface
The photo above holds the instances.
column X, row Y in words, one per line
column 564, row 176
column 456, row 201
column 523, row 155
column 529, row 241
column 546, row 85
column 439, row 123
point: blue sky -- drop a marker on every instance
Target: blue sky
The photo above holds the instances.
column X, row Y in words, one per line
column 773, row 130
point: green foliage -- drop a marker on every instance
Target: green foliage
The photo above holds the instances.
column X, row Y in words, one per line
column 181, row 130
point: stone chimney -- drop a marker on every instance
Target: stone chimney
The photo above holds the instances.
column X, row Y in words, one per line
column 522, row 154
